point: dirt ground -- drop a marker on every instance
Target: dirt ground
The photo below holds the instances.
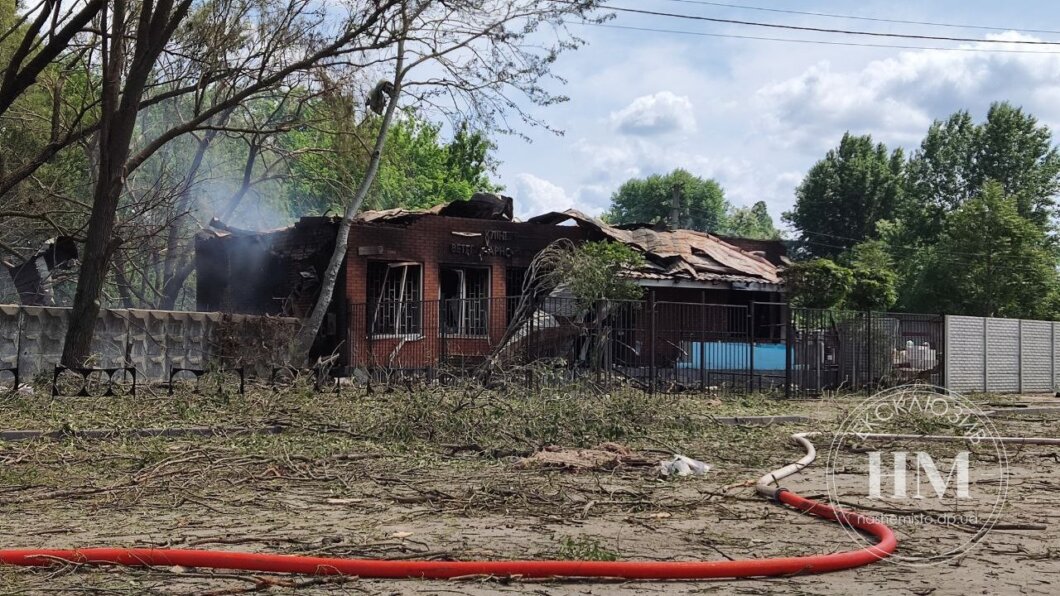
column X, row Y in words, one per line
column 431, row 474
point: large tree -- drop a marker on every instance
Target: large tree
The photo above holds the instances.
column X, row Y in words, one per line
column 701, row 203
column 989, row 261
column 419, row 166
column 958, row 157
column 843, row 196
column 750, row 222
column 223, row 55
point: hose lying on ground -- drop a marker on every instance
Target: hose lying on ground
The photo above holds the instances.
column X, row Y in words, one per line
column 379, row 568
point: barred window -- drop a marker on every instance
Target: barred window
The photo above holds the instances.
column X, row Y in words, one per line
column 395, row 294
column 464, row 300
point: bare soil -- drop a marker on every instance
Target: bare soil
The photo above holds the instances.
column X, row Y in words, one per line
column 433, row 474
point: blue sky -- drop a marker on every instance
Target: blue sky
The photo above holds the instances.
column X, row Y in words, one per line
column 755, row 115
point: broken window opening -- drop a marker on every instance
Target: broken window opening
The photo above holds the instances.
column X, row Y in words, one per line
column 514, row 278
column 464, row 300
column 395, row 294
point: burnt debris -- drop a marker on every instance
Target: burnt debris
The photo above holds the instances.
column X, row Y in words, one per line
column 35, row 279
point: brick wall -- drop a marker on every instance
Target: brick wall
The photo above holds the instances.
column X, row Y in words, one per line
column 433, row 242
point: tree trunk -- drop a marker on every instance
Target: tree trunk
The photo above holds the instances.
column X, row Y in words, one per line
column 98, row 249
column 174, row 284
column 307, row 334
column 119, row 108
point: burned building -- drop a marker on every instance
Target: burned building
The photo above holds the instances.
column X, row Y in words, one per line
column 35, row 279
column 422, row 286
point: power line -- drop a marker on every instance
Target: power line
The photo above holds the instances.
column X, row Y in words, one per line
column 810, row 41
column 689, row 17
column 860, row 18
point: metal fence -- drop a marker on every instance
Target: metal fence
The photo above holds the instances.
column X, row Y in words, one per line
column 857, row 350
column 647, row 344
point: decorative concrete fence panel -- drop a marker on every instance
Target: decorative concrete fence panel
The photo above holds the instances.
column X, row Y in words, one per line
column 152, row 341
column 1036, row 356
column 1002, row 355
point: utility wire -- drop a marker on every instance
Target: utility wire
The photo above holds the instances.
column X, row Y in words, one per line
column 809, row 41
column 826, row 30
column 860, row 18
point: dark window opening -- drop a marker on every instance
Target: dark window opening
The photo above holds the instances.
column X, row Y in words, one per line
column 395, row 295
column 465, row 300
column 514, row 277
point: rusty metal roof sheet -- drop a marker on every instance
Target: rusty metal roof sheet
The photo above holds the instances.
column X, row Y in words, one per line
column 678, row 254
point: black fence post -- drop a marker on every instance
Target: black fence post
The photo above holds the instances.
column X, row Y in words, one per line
column 529, row 350
column 443, row 347
column 871, row 350
column 703, row 311
column 751, row 348
column 789, row 345
column 651, row 343
column 940, row 350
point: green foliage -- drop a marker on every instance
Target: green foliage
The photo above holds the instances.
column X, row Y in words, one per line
column 650, row 200
column 419, row 169
column 924, row 235
column 845, row 194
column 875, row 282
column 865, row 280
column 592, row 272
column 989, row 261
column 958, row 157
column 818, row 283
column 751, row 222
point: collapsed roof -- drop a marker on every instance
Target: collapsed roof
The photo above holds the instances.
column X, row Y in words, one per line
column 672, row 256
column 675, row 255
column 481, row 205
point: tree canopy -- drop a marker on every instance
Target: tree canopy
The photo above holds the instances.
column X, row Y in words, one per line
column 958, row 157
column 989, row 261
column 701, row 205
column 750, row 222
column 419, row 168
column 650, row 200
column 845, row 194
column 966, row 226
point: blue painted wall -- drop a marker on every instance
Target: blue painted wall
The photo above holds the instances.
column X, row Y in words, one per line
column 722, row 355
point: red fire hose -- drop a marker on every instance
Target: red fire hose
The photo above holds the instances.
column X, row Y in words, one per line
column 378, row 568
column 374, row 568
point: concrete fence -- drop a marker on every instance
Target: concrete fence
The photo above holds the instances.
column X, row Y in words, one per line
column 1001, row 355
column 151, row 341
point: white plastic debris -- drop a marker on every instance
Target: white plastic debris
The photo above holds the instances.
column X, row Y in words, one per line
column 680, row 465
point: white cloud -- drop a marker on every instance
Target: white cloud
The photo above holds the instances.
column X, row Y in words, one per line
column 897, row 98
column 534, row 196
column 755, row 116
column 661, row 113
